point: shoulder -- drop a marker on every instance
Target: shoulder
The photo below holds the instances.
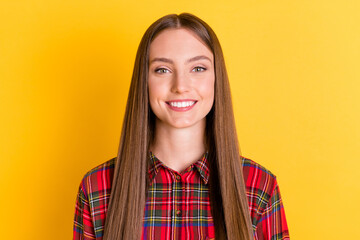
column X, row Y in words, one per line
column 265, row 202
column 98, row 178
column 252, row 168
column 260, row 183
column 110, row 164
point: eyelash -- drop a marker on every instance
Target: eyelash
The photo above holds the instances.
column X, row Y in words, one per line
column 202, row 69
column 158, row 70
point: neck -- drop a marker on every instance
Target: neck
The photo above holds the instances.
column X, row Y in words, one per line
column 178, row 148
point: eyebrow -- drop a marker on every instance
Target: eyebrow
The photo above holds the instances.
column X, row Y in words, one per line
column 167, row 60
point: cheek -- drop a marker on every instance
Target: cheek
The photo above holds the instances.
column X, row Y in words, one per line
column 207, row 90
column 209, row 94
column 152, row 100
column 156, row 94
column 153, row 89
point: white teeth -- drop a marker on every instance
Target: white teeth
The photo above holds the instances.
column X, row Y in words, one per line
column 182, row 104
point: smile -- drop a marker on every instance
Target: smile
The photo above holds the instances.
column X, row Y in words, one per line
column 181, row 105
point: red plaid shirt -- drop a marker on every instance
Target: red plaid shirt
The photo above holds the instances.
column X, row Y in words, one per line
column 177, row 205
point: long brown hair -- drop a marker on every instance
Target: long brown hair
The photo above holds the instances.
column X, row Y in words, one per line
column 130, row 182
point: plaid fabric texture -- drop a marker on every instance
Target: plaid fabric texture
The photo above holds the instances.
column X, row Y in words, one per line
column 177, row 205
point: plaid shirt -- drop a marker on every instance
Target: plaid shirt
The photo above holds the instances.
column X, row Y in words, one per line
column 178, row 205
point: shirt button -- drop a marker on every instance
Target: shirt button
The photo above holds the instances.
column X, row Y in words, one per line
column 178, row 213
column 178, row 178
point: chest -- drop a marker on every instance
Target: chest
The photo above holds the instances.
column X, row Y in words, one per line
column 177, row 207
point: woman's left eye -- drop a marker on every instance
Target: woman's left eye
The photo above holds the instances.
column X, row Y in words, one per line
column 199, row 69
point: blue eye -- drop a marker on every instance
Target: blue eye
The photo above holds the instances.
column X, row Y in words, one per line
column 198, row 69
column 161, row 70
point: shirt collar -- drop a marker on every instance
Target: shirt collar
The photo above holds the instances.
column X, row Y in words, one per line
column 202, row 166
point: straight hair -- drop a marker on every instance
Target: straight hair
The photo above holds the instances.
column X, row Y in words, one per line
column 229, row 206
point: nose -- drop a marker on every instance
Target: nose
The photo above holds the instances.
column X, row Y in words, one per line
column 180, row 82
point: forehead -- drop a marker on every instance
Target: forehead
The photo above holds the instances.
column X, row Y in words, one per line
column 178, row 42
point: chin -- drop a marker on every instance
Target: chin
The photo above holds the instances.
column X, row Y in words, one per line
column 185, row 124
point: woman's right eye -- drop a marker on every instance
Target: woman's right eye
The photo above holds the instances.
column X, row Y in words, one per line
column 161, row 70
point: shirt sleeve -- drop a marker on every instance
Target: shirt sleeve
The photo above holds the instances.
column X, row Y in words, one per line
column 83, row 226
column 272, row 224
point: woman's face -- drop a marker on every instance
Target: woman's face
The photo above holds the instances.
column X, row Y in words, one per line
column 181, row 78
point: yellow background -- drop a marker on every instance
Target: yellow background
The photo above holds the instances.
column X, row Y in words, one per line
column 65, row 69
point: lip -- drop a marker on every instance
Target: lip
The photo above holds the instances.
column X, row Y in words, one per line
column 181, row 109
column 182, row 100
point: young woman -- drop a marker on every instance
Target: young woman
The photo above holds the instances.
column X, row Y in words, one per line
column 178, row 173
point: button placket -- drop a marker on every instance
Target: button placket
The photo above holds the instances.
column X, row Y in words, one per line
column 181, row 193
column 176, row 207
column 178, row 211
